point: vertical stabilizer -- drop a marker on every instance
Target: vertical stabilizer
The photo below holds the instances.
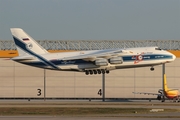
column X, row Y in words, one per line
column 25, row 44
column 165, row 83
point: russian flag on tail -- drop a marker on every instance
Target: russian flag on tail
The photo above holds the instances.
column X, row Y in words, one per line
column 25, row 39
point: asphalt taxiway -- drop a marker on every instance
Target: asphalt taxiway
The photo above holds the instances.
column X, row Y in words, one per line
column 139, row 104
column 77, row 118
column 90, row 104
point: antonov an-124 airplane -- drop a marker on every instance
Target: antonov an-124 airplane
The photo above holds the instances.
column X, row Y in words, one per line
column 90, row 62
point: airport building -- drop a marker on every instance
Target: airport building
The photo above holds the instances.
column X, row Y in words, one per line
column 21, row 81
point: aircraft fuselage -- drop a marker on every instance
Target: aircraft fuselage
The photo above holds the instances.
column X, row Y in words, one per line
column 132, row 57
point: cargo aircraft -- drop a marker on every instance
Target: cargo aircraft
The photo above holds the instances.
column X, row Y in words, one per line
column 165, row 92
column 90, row 62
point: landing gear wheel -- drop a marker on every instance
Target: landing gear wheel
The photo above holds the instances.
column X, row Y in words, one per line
column 107, row 71
column 103, row 71
column 87, row 72
column 91, row 72
column 95, row 72
column 99, row 71
column 152, row 69
column 163, row 99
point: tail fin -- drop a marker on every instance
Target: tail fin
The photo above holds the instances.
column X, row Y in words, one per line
column 165, row 83
column 25, row 44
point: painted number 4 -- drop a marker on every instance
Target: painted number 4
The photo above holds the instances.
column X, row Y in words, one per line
column 99, row 92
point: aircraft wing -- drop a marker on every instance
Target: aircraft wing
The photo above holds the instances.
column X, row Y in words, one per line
column 148, row 93
column 97, row 54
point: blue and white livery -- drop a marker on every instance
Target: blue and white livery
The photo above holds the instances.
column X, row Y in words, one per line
column 90, row 62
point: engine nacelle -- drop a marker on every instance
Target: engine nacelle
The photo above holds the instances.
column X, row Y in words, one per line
column 116, row 60
column 101, row 62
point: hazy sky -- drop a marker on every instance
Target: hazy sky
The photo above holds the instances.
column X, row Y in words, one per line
column 92, row 19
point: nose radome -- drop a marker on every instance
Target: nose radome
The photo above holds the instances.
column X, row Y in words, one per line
column 174, row 57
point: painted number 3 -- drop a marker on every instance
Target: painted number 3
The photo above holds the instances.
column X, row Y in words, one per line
column 39, row 92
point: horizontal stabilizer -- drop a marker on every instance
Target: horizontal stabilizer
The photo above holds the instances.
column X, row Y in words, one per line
column 20, row 58
column 172, row 90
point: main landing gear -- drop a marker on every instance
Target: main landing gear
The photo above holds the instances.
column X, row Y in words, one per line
column 162, row 98
column 98, row 71
column 152, row 68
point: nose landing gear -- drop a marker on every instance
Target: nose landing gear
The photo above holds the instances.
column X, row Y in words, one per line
column 152, row 68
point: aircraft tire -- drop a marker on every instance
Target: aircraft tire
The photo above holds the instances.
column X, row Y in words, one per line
column 87, row 72
column 95, row 71
column 99, row 71
column 103, row 71
column 152, row 69
column 107, row 71
column 91, row 72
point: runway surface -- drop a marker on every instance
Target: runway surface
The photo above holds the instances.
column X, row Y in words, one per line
column 139, row 104
column 77, row 118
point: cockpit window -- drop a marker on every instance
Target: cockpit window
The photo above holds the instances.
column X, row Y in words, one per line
column 157, row 48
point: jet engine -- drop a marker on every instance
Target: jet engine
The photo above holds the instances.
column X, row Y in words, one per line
column 101, row 62
column 116, row 60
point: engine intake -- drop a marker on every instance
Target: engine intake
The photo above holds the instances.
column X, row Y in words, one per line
column 116, row 60
column 101, row 62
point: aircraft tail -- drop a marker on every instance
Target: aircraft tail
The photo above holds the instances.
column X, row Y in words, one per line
column 165, row 83
column 166, row 87
column 25, row 44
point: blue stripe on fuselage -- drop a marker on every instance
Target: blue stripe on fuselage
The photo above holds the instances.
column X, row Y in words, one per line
column 59, row 62
column 148, row 57
column 23, row 46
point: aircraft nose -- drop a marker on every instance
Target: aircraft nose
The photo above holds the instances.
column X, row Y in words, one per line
column 174, row 57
